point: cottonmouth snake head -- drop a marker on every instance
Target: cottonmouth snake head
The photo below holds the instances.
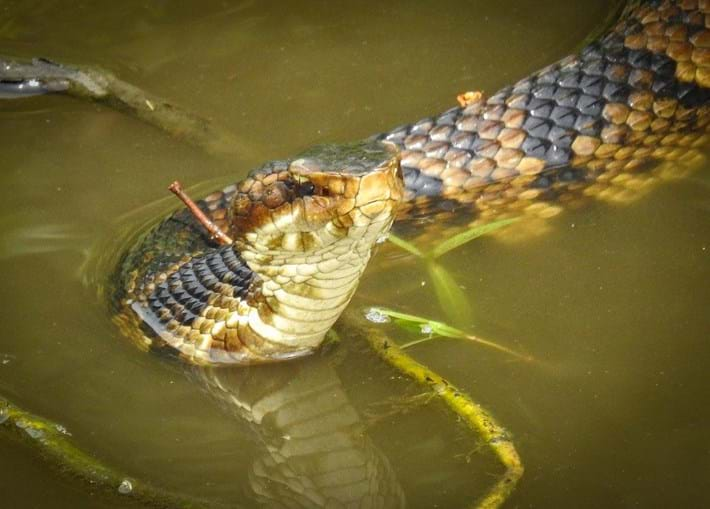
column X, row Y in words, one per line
column 330, row 194
column 303, row 233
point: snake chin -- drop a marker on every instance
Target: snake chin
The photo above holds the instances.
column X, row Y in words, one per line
column 313, row 202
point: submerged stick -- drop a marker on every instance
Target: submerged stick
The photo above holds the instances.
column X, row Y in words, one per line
column 41, row 76
column 474, row 415
column 54, row 443
column 215, row 231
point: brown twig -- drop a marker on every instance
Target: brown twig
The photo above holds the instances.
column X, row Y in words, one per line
column 215, row 231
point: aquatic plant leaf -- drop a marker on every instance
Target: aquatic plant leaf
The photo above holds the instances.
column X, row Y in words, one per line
column 402, row 316
column 467, row 236
column 408, row 325
column 452, row 299
column 440, row 330
column 407, row 246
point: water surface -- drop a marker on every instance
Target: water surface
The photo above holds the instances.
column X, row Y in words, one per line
column 612, row 301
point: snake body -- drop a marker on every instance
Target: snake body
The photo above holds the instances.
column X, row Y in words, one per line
column 304, row 228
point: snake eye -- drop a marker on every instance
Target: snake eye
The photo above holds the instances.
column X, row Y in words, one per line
column 306, row 189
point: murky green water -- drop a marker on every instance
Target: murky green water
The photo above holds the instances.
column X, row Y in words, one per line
column 612, row 301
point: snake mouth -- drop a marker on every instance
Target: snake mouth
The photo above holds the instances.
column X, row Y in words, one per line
column 329, row 194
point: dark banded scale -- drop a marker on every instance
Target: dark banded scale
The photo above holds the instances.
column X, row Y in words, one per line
column 577, row 128
column 630, row 97
column 189, row 287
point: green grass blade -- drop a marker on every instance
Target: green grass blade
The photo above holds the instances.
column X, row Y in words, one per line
column 468, row 235
column 452, row 299
column 441, row 330
column 407, row 246
column 418, row 341
column 409, row 326
column 402, row 316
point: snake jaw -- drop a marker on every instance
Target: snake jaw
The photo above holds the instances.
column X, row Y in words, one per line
column 309, row 254
column 320, row 197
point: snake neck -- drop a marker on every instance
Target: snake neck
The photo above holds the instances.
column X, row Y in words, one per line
column 301, row 295
column 247, row 303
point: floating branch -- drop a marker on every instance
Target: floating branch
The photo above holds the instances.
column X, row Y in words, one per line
column 41, row 76
column 54, row 443
column 474, row 415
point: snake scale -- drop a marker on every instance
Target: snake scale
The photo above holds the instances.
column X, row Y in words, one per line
column 304, row 228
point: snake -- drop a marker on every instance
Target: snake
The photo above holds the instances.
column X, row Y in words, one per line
column 596, row 124
column 304, row 228
column 606, row 122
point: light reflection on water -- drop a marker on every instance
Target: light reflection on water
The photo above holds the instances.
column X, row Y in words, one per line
column 612, row 300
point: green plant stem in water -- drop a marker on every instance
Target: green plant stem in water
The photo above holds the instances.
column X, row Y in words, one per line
column 54, row 443
column 453, row 301
column 473, row 415
column 407, row 246
column 442, row 330
column 450, row 296
column 468, row 235
column 452, row 243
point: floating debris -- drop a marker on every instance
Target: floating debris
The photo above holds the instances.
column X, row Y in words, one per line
column 125, row 487
column 376, row 315
column 471, row 97
column 62, row 430
column 34, row 432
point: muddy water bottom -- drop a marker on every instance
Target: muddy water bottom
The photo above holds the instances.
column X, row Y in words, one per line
column 612, row 301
